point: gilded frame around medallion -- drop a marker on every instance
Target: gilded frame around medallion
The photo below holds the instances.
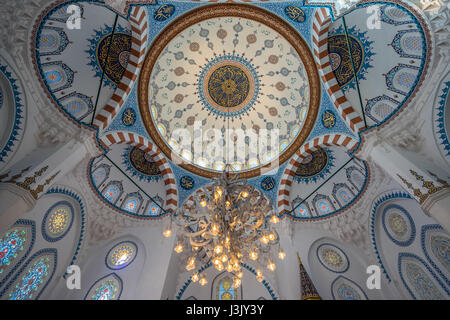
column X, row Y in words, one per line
column 229, row 10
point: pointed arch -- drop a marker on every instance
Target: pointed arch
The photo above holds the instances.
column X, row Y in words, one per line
column 118, row 137
column 321, row 24
column 289, row 172
column 139, row 27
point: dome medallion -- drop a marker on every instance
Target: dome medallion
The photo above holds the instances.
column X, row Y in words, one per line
column 229, row 67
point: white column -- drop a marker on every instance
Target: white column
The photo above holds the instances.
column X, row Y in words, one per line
column 431, row 191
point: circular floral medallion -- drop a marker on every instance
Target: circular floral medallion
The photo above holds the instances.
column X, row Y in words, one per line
column 340, row 60
column 228, row 86
column 398, row 225
column 268, row 183
column 121, row 255
column 57, row 221
column 117, row 54
column 332, row 258
column 128, row 117
column 313, row 164
column 141, row 162
column 187, row 182
column 328, row 119
column 164, row 12
column 229, row 66
column 295, row 13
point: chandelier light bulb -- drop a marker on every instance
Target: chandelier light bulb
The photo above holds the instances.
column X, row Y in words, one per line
column 274, row 219
column 191, row 264
column 194, row 248
column 236, row 282
column 265, row 239
column 203, row 281
column 244, row 194
column 224, row 258
column 253, row 255
column 219, row 266
column 240, row 274
column 258, row 273
column 195, row 277
column 259, row 278
column 271, row 236
column 215, row 229
column 179, row 248
column 271, row 266
column 281, row 254
column 203, row 203
column 229, row 267
column 216, row 261
column 167, row 233
column 218, row 249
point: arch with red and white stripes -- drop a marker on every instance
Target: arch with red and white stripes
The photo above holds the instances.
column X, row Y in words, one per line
column 143, row 143
column 139, row 27
column 287, row 177
column 321, row 24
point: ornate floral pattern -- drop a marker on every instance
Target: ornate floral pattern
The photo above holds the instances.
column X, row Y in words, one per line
column 315, row 166
column 57, row 221
column 398, row 225
column 140, row 165
column 10, row 245
column 164, row 12
column 118, row 52
column 341, row 64
column 34, row 276
column 295, row 13
column 272, row 80
column 121, row 255
column 332, row 258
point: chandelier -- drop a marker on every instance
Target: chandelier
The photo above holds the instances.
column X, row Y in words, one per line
column 228, row 224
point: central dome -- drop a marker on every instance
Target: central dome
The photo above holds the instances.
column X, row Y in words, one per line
column 229, row 83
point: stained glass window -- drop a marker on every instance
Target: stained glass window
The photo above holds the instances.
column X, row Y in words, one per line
column 421, row 282
column 10, row 245
column 346, row 292
column 121, row 255
column 225, row 291
column 154, row 209
column 31, row 281
column 106, row 291
column 440, row 246
column 58, row 220
column 106, row 288
column 111, row 193
column 301, row 211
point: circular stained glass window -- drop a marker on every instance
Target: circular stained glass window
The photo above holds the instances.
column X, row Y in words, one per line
column 57, row 221
column 398, row 225
column 121, row 255
column 332, row 258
